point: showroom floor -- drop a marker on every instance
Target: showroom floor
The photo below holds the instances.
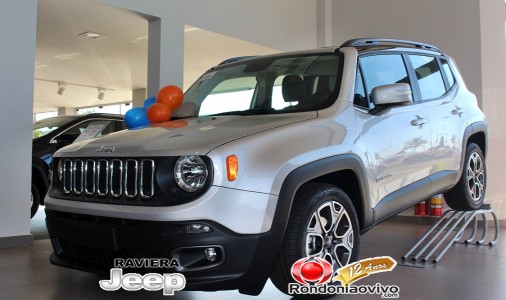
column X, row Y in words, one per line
column 465, row 272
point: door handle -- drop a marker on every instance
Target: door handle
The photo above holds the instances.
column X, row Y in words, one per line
column 418, row 121
column 458, row 111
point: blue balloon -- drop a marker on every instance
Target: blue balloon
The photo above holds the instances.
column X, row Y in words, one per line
column 148, row 102
column 136, row 118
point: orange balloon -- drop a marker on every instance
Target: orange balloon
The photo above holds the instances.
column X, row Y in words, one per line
column 158, row 112
column 170, row 95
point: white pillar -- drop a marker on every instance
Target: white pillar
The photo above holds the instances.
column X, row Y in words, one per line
column 17, row 58
column 165, row 53
column 65, row 111
column 324, row 23
column 138, row 97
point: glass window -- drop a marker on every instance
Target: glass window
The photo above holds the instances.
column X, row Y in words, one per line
column 428, row 76
column 278, row 102
column 267, row 85
column 383, row 69
column 230, row 95
column 360, row 98
column 45, row 126
column 448, row 72
column 87, row 130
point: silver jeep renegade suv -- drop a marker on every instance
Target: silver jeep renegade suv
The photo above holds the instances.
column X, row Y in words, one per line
column 271, row 159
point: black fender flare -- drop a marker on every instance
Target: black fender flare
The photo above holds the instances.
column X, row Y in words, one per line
column 40, row 171
column 315, row 169
column 471, row 129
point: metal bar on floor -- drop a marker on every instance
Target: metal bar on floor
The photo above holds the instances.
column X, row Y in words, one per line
column 452, row 221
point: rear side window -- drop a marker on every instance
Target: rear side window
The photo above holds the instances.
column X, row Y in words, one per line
column 428, row 75
column 448, row 72
column 383, row 69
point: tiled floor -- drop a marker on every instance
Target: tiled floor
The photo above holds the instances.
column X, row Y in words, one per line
column 465, row 272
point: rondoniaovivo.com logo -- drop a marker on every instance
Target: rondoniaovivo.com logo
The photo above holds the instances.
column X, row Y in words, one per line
column 312, row 270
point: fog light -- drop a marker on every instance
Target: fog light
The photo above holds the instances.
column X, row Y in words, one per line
column 210, row 254
column 199, row 228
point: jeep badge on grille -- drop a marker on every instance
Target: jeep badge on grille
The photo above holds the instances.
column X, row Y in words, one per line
column 105, row 149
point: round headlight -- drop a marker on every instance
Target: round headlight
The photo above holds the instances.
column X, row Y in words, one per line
column 190, row 173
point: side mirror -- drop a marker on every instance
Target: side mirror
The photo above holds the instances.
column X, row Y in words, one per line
column 396, row 93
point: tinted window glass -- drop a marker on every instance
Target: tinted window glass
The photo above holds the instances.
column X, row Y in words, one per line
column 267, row 85
column 360, row 98
column 429, row 76
column 383, row 69
column 448, row 72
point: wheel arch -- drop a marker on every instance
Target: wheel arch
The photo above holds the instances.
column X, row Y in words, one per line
column 344, row 171
column 40, row 177
column 474, row 133
column 480, row 139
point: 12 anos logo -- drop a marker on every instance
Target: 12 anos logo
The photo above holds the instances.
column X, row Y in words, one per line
column 312, row 270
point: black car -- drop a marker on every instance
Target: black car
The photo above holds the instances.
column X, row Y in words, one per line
column 51, row 134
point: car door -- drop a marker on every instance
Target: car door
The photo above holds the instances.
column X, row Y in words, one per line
column 446, row 114
column 396, row 138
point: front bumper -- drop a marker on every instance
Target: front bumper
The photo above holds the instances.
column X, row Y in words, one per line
column 243, row 212
column 90, row 243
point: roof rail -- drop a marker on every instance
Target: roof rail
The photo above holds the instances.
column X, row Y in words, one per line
column 226, row 61
column 377, row 41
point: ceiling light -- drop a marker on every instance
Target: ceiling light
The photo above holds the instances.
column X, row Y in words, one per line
column 61, row 88
column 101, row 94
column 91, row 35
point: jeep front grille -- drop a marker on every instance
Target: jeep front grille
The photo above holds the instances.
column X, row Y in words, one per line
column 115, row 177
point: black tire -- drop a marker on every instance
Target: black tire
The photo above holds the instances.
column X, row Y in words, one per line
column 315, row 202
column 35, row 200
column 469, row 192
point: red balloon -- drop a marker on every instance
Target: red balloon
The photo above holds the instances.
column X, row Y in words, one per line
column 158, row 112
column 170, row 95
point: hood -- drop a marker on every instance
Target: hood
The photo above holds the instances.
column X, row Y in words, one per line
column 180, row 137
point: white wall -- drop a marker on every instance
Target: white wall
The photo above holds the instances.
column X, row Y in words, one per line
column 452, row 25
column 471, row 31
column 493, row 82
column 280, row 24
column 17, row 58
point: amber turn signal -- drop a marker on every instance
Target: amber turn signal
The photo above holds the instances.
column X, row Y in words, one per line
column 232, row 167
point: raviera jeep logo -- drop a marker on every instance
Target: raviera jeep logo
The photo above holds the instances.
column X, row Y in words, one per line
column 168, row 282
column 106, row 149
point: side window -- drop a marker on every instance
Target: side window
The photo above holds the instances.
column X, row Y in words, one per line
column 448, row 72
column 120, row 125
column 110, row 127
column 428, row 75
column 383, row 69
column 87, row 130
column 360, row 98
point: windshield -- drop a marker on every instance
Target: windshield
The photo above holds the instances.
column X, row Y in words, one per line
column 45, row 126
column 268, row 85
